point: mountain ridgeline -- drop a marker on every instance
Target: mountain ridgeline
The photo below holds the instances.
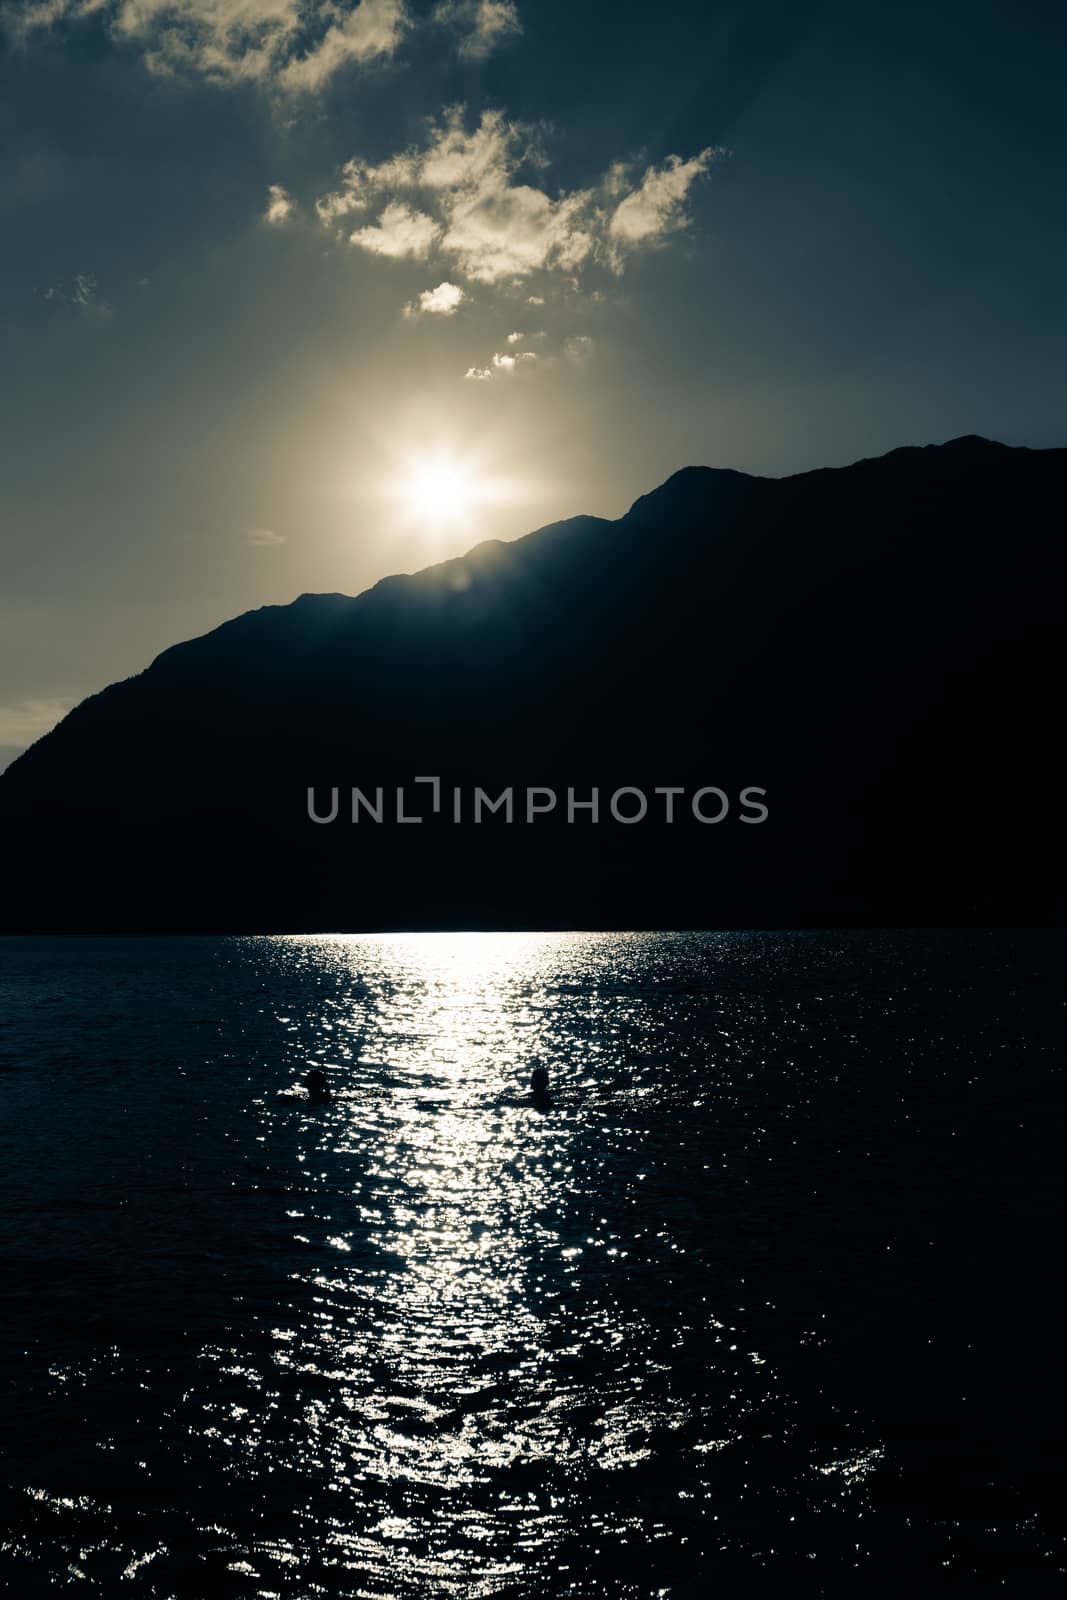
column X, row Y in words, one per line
column 876, row 648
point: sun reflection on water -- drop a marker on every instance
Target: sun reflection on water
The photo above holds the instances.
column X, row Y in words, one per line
column 462, row 1321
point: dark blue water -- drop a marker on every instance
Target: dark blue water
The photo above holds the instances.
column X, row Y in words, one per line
column 763, row 1299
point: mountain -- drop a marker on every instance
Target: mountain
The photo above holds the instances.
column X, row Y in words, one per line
column 877, row 647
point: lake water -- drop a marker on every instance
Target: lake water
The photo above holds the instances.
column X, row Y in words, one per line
column 762, row 1299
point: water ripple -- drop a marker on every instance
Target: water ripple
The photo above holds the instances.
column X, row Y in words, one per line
column 437, row 1336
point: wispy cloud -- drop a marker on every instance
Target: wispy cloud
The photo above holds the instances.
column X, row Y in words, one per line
column 81, row 295
column 280, row 205
column 574, row 351
column 466, row 197
column 263, row 538
column 296, row 44
column 293, row 45
column 23, row 721
column 503, row 365
column 657, row 206
column 579, row 347
column 399, row 232
column 481, row 24
column 371, row 32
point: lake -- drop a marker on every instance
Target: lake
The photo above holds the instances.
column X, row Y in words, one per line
column 761, row 1295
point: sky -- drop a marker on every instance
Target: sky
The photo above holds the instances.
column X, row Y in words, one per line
column 295, row 294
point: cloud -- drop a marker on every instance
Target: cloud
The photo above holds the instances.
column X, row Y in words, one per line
column 296, row 44
column 23, row 19
column 399, row 232
column 479, row 211
column 483, row 24
column 372, row 31
column 574, row 351
column 657, row 206
column 280, row 205
column 502, row 365
column 460, row 161
column 264, row 538
column 491, row 227
column 81, row 295
column 350, row 196
column 26, row 720
column 512, row 231
column 444, row 301
column 361, row 185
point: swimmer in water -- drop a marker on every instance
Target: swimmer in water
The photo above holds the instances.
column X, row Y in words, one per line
column 539, row 1085
column 317, row 1088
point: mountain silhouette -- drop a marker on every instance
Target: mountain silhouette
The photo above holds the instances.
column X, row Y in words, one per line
column 877, row 647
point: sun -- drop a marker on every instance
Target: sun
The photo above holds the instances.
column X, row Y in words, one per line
column 440, row 493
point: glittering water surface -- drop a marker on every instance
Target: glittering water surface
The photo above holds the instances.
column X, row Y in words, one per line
column 764, row 1291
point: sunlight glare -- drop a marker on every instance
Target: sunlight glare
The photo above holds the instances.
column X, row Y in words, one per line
column 440, row 493
column 444, row 491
